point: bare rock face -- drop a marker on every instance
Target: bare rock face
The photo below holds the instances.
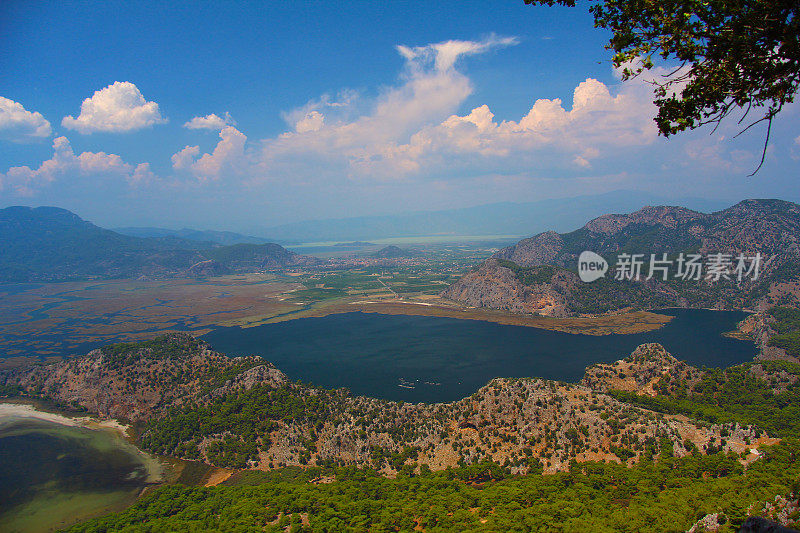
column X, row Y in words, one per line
column 758, row 327
column 710, row 522
column 496, row 287
column 541, row 249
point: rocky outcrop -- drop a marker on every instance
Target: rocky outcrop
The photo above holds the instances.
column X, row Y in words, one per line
column 666, row 216
column 541, row 249
column 758, row 327
column 265, row 374
column 497, row 287
column 709, row 523
column 775, row 516
column 640, row 372
column 768, row 227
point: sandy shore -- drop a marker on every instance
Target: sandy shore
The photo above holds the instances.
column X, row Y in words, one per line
column 24, row 410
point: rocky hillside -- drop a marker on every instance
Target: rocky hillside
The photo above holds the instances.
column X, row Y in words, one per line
column 241, row 412
column 538, row 275
column 139, row 381
column 52, row 244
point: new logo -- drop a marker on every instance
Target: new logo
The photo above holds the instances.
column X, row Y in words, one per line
column 591, row 266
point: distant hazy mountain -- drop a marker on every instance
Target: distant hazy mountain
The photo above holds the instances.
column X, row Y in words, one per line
column 250, row 257
column 53, row 244
column 48, row 243
column 492, row 219
column 391, row 252
column 538, row 274
column 217, row 237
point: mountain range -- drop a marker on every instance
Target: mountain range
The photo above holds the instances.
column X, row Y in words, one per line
column 225, row 238
column 53, row 244
column 538, row 274
column 506, row 218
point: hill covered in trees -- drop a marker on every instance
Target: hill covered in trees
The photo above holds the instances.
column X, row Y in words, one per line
column 618, row 448
column 194, row 403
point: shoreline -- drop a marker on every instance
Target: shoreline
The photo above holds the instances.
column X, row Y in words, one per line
column 624, row 323
column 22, row 408
column 162, row 469
column 17, row 409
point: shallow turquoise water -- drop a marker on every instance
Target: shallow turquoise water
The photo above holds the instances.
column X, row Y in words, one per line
column 52, row 475
column 431, row 359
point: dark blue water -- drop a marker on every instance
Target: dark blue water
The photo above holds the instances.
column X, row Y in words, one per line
column 446, row 359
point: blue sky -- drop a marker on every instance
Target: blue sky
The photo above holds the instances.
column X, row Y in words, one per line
column 245, row 115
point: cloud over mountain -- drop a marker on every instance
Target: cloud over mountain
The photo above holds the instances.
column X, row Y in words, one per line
column 25, row 181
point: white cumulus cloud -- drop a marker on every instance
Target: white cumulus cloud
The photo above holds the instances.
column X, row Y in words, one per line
column 20, row 125
column 25, row 181
column 227, row 158
column 118, row 108
column 142, row 175
column 210, row 122
column 596, row 124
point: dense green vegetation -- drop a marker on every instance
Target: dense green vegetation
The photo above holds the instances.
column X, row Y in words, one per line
column 669, row 494
column 245, row 417
column 787, row 324
column 178, row 348
column 347, row 280
column 401, row 279
column 736, row 394
column 317, row 294
column 124, row 354
column 530, row 275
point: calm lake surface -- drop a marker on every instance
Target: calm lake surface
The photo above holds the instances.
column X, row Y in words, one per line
column 431, row 359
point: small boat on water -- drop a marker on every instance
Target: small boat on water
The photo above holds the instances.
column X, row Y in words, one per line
column 406, row 384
